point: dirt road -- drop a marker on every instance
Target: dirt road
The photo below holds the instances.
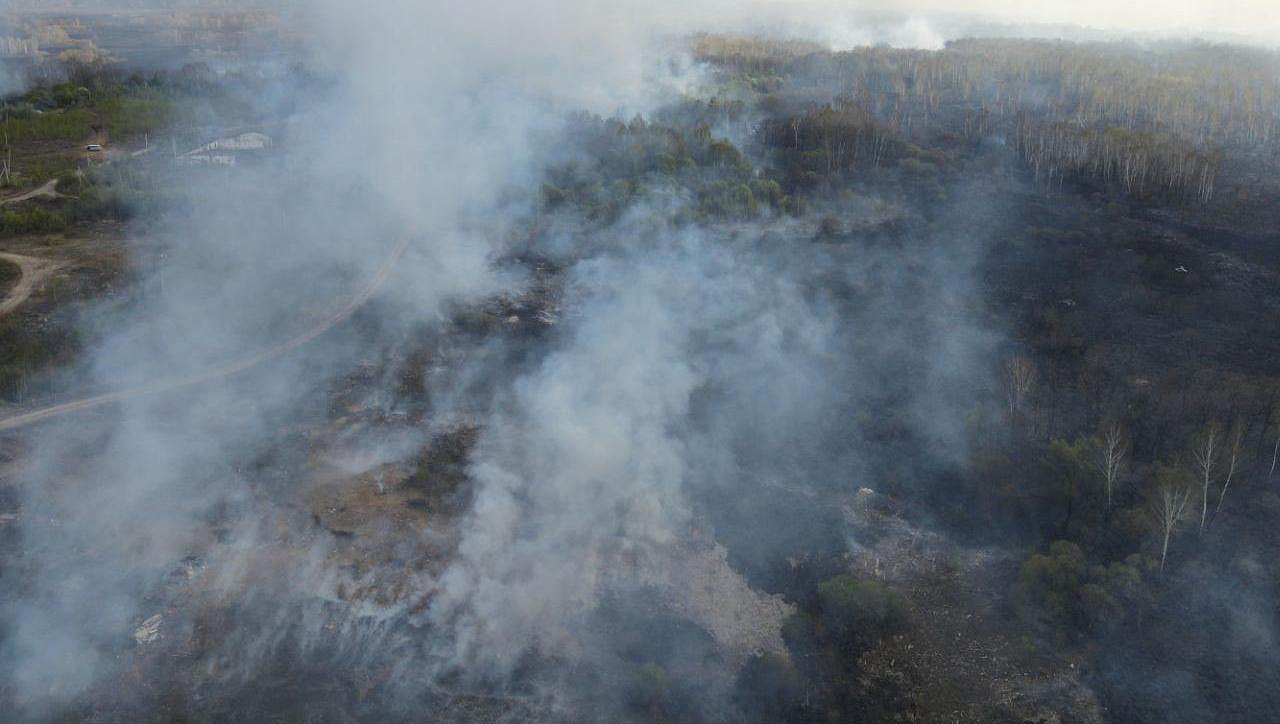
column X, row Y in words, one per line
column 48, row 190
column 33, row 272
column 225, row 370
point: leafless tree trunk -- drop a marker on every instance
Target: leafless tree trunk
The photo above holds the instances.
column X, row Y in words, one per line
column 1275, row 452
column 1019, row 376
column 6, row 173
column 1237, row 440
column 1170, row 508
column 1111, row 458
column 1206, row 457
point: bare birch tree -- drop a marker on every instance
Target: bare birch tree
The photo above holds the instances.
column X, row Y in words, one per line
column 1169, row 507
column 1234, row 454
column 1205, row 454
column 1111, row 458
column 1019, row 376
column 1275, row 453
column 6, row 168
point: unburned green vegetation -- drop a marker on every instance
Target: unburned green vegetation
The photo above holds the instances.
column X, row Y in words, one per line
column 20, row 125
column 27, row 358
column 44, row 130
column 654, row 162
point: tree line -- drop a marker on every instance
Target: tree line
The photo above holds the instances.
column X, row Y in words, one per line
column 1146, row 119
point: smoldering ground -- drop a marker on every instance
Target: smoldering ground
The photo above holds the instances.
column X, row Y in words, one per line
column 694, row 380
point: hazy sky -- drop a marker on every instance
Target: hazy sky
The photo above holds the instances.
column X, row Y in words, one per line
column 1259, row 19
column 1247, row 17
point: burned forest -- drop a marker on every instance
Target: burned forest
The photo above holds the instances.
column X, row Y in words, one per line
column 551, row 361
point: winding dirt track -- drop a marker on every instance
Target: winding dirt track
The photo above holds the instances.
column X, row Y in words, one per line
column 224, row 370
column 33, row 271
column 47, row 191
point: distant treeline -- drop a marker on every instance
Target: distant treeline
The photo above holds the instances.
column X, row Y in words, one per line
column 93, row 98
column 1145, row 120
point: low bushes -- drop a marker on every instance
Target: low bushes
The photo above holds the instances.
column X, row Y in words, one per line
column 33, row 220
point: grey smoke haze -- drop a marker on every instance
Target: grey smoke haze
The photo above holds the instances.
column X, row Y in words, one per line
column 430, row 126
column 908, row 23
column 702, row 372
column 691, row 368
column 8, row 83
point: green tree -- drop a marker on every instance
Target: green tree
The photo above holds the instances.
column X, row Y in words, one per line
column 1072, row 464
column 858, row 613
column 769, row 689
column 1052, row 580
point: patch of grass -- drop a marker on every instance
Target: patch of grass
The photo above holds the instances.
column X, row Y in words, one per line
column 24, row 355
column 33, row 220
column 137, row 112
column 69, row 125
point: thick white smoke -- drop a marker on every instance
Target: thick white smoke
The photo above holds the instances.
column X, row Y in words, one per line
column 689, row 361
column 579, row 472
column 432, row 127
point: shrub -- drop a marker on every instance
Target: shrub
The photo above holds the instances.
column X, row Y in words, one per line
column 1052, row 581
column 858, row 613
column 53, row 126
column 36, row 220
column 769, row 689
column 650, row 690
column 1066, row 589
column 69, row 184
column 767, row 190
column 724, row 153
